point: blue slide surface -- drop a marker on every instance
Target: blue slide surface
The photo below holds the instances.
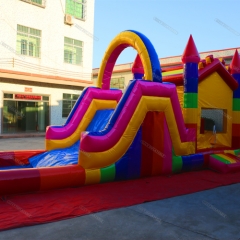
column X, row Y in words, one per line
column 66, row 156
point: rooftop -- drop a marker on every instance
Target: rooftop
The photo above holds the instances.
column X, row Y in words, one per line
column 168, row 63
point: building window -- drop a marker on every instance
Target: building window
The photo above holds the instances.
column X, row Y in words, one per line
column 214, row 117
column 117, row 83
column 23, row 47
column 36, row 2
column 76, row 8
column 8, row 95
column 28, row 41
column 73, row 51
column 68, row 102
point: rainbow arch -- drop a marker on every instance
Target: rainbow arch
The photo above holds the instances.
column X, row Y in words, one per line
column 145, row 50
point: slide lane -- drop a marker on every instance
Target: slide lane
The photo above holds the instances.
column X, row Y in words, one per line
column 108, row 146
column 93, row 99
column 67, row 156
column 57, row 168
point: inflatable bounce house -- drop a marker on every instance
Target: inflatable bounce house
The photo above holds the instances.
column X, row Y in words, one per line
column 188, row 122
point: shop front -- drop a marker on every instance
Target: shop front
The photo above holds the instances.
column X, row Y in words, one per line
column 24, row 113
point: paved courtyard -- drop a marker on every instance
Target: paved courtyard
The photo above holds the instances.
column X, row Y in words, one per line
column 22, row 143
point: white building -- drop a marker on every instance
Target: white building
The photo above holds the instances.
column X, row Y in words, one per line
column 46, row 50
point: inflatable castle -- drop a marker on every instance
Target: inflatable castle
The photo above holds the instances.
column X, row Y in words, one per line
column 188, row 122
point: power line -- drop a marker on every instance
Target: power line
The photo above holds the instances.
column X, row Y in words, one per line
column 62, row 6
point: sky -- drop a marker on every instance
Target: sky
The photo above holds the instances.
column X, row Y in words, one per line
column 214, row 25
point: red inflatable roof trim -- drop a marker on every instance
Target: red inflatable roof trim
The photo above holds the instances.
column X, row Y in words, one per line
column 215, row 66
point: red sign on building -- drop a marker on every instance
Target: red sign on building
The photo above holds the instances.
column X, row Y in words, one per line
column 27, row 97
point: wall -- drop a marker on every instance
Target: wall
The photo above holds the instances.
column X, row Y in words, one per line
column 213, row 92
column 51, row 21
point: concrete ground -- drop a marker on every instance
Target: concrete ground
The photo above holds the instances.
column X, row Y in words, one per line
column 211, row 214
column 22, row 143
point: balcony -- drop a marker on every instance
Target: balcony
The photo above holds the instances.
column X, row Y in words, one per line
column 24, row 69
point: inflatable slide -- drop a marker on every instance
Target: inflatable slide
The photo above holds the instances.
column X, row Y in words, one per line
column 149, row 130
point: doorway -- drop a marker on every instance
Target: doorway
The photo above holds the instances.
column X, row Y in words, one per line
column 25, row 116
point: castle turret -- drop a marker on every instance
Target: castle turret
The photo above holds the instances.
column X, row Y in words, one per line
column 137, row 68
column 235, row 71
column 190, row 59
